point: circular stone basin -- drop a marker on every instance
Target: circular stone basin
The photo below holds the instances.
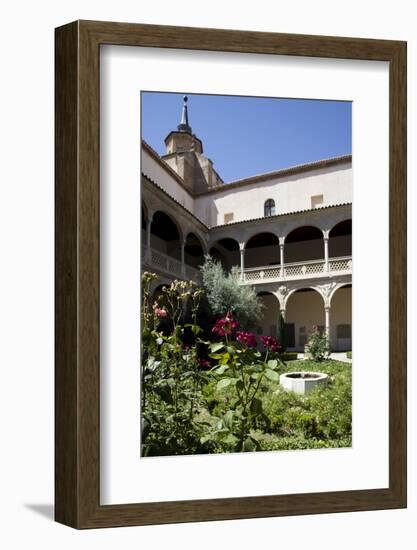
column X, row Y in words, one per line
column 302, row 382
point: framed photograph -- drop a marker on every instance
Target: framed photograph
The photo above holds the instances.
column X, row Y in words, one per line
column 230, row 274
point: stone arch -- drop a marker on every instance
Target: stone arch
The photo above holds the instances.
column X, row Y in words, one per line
column 304, row 243
column 227, row 251
column 304, row 287
column 166, row 234
column 194, row 250
column 144, row 212
column 262, row 249
column 304, row 309
column 340, row 239
column 341, row 317
column 268, row 326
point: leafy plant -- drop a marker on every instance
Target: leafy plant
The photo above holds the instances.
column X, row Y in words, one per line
column 171, row 378
column 225, row 293
column 318, row 346
column 200, row 396
column 241, row 370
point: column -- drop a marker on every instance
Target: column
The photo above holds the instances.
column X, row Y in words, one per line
column 326, row 251
column 281, row 256
column 183, row 259
column 242, row 261
column 148, row 255
column 327, row 320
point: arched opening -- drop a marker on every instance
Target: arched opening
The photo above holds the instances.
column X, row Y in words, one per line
column 143, row 219
column 340, row 240
column 194, row 251
column 269, row 208
column 226, row 251
column 304, row 244
column 305, row 309
column 262, row 250
column 165, row 236
column 341, row 319
column 268, row 326
column 143, row 228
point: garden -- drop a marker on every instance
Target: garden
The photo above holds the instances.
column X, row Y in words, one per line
column 209, row 384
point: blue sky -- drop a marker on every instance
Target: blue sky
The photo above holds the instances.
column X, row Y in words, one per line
column 245, row 136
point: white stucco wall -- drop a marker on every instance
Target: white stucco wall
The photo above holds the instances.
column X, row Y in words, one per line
column 268, row 325
column 151, row 168
column 304, row 309
column 290, row 194
column 341, row 314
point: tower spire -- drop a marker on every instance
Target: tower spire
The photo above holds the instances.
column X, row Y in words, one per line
column 184, row 126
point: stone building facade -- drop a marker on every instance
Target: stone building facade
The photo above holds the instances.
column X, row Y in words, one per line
column 289, row 231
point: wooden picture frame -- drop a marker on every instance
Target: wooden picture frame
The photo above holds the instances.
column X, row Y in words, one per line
column 77, row 405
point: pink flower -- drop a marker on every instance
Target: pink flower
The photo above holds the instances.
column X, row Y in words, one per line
column 204, row 363
column 225, row 326
column 271, row 343
column 160, row 312
column 247, row 339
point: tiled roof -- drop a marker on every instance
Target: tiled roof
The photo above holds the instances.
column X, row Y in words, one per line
column 284, row 172
column 299, row 169
column 285, row 214
column 248, row 220
column 175, row 200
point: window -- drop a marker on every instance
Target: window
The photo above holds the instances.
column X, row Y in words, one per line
column 228, row 217
column 269, row 207
column 316, row 201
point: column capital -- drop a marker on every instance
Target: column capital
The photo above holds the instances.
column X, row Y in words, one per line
column 281, row 241
column 326, row 235
column 242, row 247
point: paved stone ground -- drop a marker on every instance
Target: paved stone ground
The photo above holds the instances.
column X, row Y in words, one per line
column 337, row 356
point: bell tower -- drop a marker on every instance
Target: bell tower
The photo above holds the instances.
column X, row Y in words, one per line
column 185, row 156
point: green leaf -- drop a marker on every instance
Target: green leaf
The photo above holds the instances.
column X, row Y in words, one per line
column 272, row 375
column 215, row 346
column 164, row 392
column 249, row 445
column 256, row 405
column 239, row 384
column 223, row 383
column 228, row 419
column 225, row 358
column 272, row 364
column 230, row 439
column 221, row 370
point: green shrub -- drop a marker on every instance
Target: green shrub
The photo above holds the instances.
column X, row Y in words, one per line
column 349, row 355
column 225, row 293
column 289, row 356
column 299, row 442
column 323, row 414
column 318, row 347
column 233, row 401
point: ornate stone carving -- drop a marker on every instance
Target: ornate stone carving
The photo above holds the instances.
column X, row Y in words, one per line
column 326, row 291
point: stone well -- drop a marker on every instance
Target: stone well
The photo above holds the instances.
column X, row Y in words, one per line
column 302, row 382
